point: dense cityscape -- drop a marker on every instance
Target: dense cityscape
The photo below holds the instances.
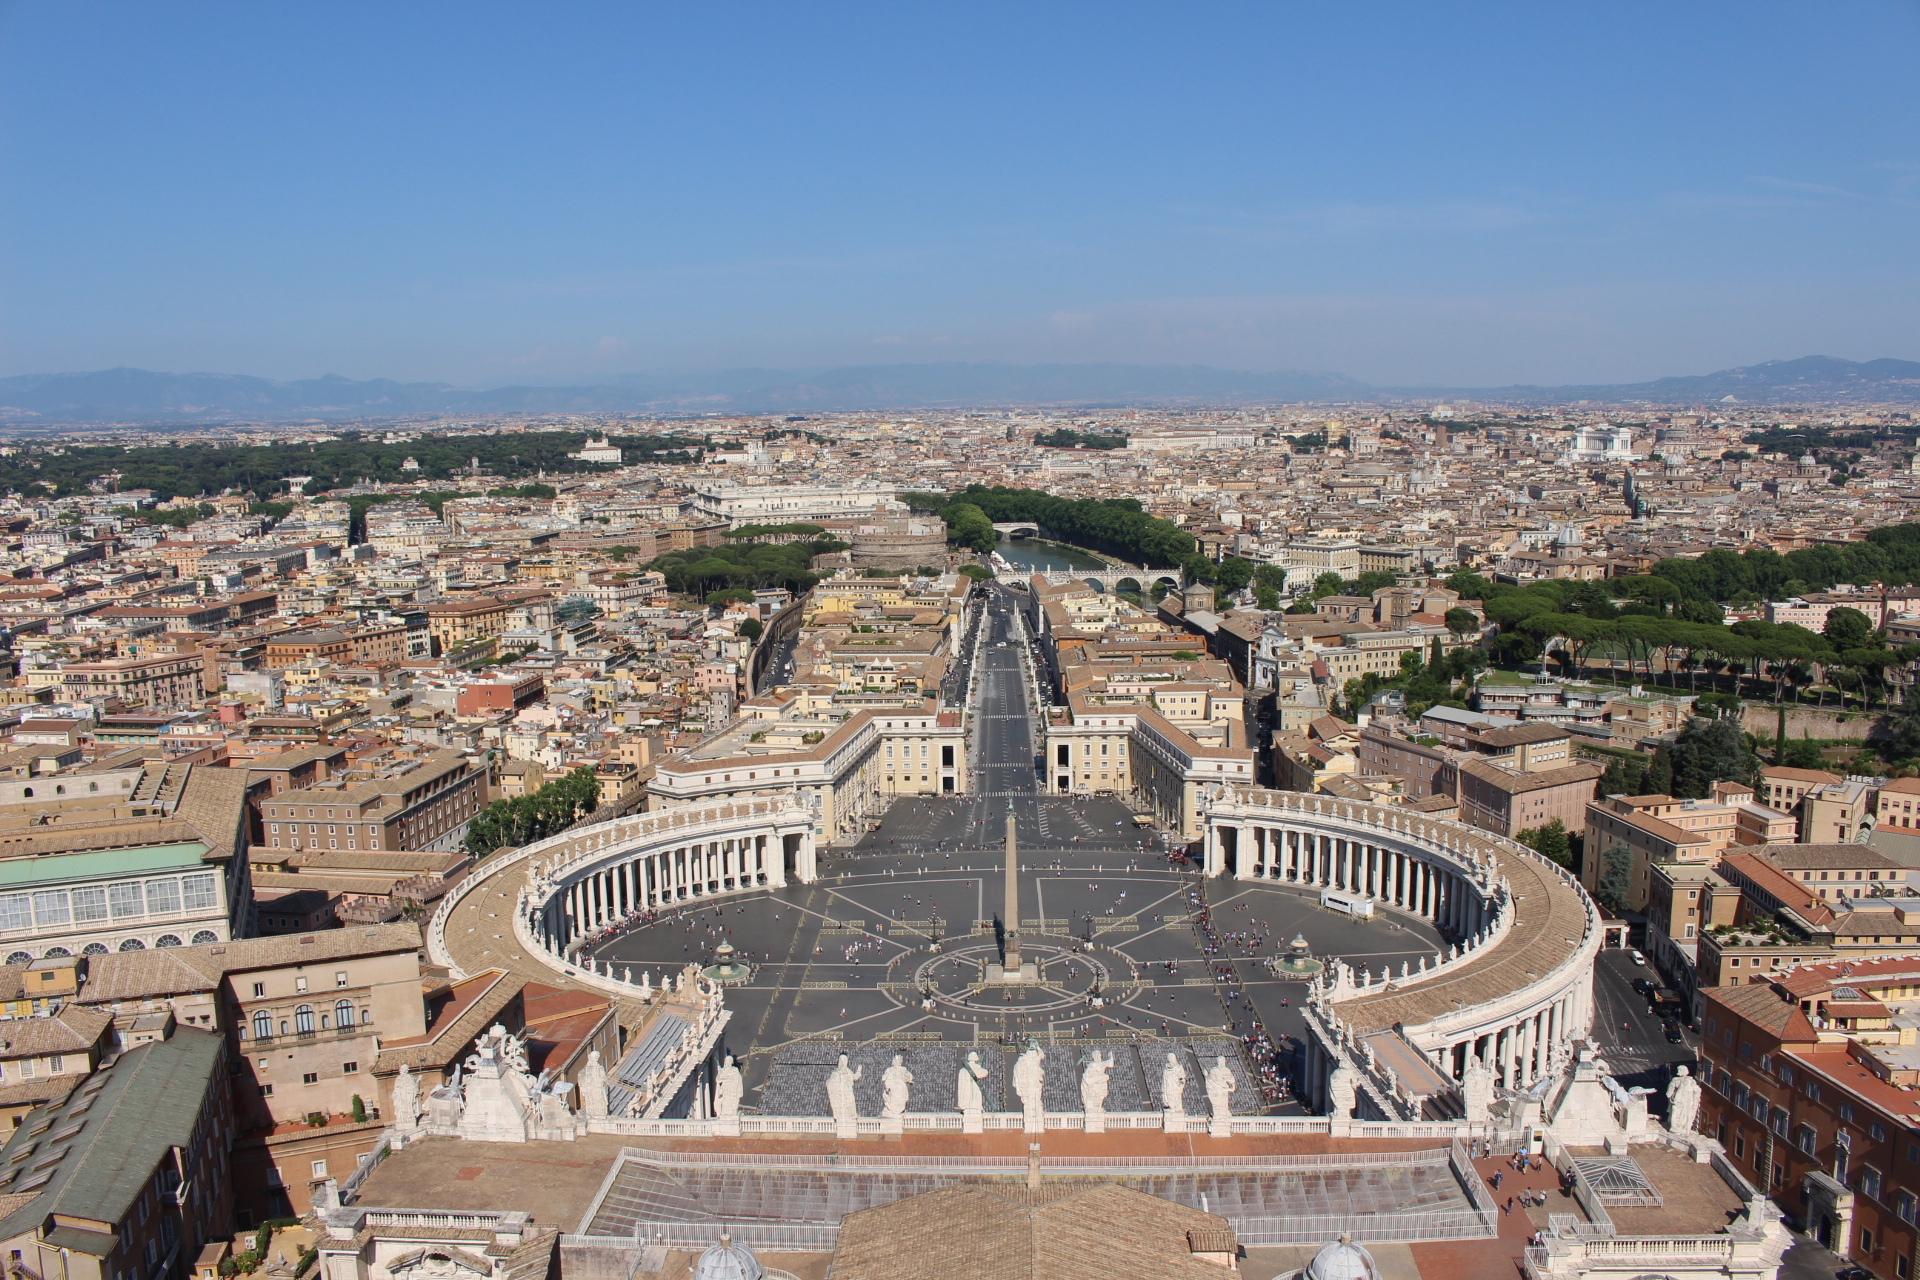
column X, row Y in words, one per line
column 273, row 720
column 1046, row 642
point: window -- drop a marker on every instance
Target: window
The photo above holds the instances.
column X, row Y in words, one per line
column 319, row 1168
column 303, row 1019
column 259, row 988
column 89, row 904
column 1906, row 1206
column 1846, row 1112
column 1876, row 1131
column 349, row 1068
column 1805, row 1138
column 343, row 1013
column 266, row 1091
column 126, row 900
column 57, row 1064
column 1870, row 1181
column 1813, row 1090
column 300, row 984
column 163, row 897
column 340, row 978
column 311, row 1077
column 262, row 1026
column 198, row 893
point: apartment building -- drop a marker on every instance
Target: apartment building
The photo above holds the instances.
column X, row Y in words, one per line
column 784, row 504
column 306, row 1015
column 164, row 683
column 846, row 771
column 1627, row 835
column 99, row 887
column 423, row 806
column 1507, row 800
column 1823, row 1124
column 1163, row 761
column 130, row 1174
column 454, row 622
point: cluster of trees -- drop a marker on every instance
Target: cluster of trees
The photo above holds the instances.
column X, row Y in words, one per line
column 1809, row 439
column 194, row 468
column 1657, row 628
column 1707, row 751
column 177, row 517
column 743, row 566
column 1068, row 438
column 1118, row 526
column 551, row 809
column 1443, row 680
column 1890, row 555
column 1551, row 842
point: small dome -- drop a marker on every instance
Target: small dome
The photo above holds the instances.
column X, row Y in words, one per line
column 1342, row 1260
column 730, row 1261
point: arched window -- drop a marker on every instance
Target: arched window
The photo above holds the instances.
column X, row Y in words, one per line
column 133, row 944
column 93, row 786
column 343, row 1014
column 94, row 949
column 27, row 792
column 60, row 789
column 168, row 940
column 303, row 1019
column 55, row 953
column 262, row 1026
column 205, row 936
column 20, row 957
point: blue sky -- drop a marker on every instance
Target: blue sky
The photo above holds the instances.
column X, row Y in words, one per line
column 1459, row 194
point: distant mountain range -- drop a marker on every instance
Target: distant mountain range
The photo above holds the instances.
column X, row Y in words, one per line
column 139, row 396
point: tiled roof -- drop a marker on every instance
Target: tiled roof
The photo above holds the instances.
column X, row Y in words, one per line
column 1550, row 917
column 146, row 1102
column 1765, row 1008
column 1056, row 1232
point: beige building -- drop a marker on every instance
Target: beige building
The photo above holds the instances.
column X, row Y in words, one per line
column 454, row 622
column 846, row 771
column 424, row 807
column 164, row 683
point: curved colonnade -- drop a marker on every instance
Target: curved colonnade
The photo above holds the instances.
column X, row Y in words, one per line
column 570, row 887
column 1514, row 991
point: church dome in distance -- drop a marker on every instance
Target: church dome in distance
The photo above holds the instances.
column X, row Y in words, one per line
column 1342, row 1260
column 730, row 1261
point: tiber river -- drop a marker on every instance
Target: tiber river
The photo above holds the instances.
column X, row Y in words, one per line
column 1050, row 557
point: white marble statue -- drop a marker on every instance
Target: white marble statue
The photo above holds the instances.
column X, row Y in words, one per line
column 967, row 1086
column 1683, row 1101
column 1093, row 1084
column 406, row 1100
column 893, row 1083
column 1173, row 1086
column 728, row 1087
column 593, row 1087
column 1342, row 1089
column 1029, row 1080
column 1220, row 1086
column 840, row 1091
column 1476, row 1089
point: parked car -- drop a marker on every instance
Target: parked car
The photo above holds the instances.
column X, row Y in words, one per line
column 1637, row 957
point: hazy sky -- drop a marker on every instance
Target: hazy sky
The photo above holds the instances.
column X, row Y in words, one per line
column 1462, row 193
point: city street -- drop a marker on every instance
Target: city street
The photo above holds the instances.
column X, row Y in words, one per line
column 1631, row 1039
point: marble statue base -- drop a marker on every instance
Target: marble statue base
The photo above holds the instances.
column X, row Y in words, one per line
column 973, row 1122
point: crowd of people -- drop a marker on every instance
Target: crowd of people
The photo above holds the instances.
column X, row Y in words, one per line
column 1243, row 1020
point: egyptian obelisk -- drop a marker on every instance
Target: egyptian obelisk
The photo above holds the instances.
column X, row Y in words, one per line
column 1011, row 962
